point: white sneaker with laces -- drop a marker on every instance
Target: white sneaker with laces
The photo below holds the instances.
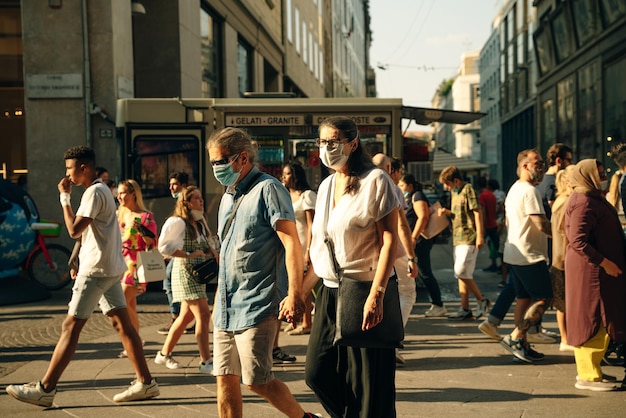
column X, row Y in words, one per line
column 490, row 330
column 206, row 367
column 138, row 391
column 168, row 361
column 539, row 338
column 435, row 311
column 32, row 393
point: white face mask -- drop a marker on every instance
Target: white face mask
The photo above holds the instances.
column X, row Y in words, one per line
column 604, row 185
column 197, row 214
column 334, row 158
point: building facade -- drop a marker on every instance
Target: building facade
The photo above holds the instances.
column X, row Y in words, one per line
column 64, row 65
column 490, row 132
column 581, row 89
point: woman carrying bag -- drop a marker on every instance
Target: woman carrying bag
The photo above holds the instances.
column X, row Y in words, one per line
column 358, row 212
column 185, row 238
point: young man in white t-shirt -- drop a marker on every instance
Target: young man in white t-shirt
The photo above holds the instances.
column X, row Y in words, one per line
column 97, row 281
column 526, row 251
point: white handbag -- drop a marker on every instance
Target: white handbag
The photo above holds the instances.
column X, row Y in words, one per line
column 150, row 266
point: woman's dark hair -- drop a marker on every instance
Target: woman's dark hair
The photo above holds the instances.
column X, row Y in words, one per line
column 410, row 179
column 359, row 161
column 298, row 176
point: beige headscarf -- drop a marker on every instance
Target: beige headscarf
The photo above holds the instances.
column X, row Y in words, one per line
column 585, row 178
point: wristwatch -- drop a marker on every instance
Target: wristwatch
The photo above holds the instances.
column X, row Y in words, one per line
column 187, row 252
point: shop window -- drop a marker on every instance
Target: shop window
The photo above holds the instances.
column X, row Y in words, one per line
column 548, row 124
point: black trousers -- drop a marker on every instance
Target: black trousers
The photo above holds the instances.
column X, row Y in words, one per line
column 350, row 382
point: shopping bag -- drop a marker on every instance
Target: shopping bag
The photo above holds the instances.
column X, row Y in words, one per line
column 150, row 266
column 436, row 223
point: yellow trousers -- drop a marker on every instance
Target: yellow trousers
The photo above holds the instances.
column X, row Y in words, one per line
column 589, row 356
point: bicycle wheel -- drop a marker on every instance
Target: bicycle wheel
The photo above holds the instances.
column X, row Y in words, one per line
column 52, row 277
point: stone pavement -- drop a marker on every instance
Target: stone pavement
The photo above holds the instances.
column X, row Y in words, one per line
column 451, row 368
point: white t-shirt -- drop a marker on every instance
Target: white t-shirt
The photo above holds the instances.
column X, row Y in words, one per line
column 304, row 203
column 101, row 243
column 525, row 243
column 352, row 227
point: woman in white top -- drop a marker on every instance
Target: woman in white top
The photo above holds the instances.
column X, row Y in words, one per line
column 185, row 238
column 303, row 200
column 362, row 224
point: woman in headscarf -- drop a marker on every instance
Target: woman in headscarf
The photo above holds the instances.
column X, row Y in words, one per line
column 594, row 267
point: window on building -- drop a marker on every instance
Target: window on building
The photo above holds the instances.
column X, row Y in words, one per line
column 585, row 22
column 210, row 55
column 544, row 50
column 296, row 28
column 566, row 99
column 311, row 52
column 614, row 101
column 12, row 118
column 562, row 31
column 612, row 10
column 548, row 124
column 305, row 40
column 587, row 98
column 288, row 21
column 321, row 65
column 244, row 67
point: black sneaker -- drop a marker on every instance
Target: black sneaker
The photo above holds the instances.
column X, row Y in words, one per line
column 532, row 354
column 461, row 315
column 516, row 347
column 190, row 330
column 166, row 329
column 279, row 356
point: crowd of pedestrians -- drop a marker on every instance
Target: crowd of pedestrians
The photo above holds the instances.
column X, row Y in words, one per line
column 283, row 250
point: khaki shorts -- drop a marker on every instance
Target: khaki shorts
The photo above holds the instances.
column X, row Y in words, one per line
column 88, row 292
column 465, row 261
column 246, row 353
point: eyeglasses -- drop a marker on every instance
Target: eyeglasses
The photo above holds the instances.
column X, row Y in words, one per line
column 328, row 143
column 225, row 160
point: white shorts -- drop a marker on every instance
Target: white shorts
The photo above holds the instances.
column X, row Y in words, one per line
column 465, row 261
column 88, row 292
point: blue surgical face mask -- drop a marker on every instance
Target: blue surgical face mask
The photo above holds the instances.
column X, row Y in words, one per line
column 175, row 195
column 226, row 174
column 456, row 189
column 407, row 194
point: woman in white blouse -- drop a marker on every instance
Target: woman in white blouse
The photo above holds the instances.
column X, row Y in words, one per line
column 362, row 225
column 185, row 238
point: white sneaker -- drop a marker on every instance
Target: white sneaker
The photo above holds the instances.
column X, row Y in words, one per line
column 540, row 338
column 138, row 391
column 490, row 330
column 206, row 367
column 435, row 310
column 32, row 393
column 168, row 361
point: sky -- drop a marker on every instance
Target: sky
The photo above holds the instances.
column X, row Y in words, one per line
column 419, row 43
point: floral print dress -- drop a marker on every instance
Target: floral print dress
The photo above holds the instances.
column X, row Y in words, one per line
column 131, row 244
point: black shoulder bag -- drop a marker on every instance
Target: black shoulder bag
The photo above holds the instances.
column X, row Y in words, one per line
column 351, row 298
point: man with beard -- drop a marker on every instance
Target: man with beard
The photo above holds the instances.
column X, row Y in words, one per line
column 526, row 251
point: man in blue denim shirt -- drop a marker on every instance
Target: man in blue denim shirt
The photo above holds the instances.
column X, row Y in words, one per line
column 260, row 277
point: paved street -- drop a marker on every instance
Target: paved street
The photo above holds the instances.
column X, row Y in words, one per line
column 452, row 370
